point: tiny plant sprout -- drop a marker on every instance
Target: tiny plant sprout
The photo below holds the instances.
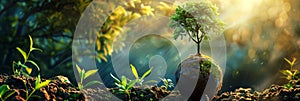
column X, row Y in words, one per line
column 5, row 92
column 290, row 74
column 135, row 73
column 167, row 82
column 85, row 74
column 124, row 86
column 38, row 85
column 25, row 56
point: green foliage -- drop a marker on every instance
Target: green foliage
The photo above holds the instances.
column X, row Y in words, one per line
column 83, row 75
column 168, row 83
column 113, row 26
column 290, row 74
column 126, row 84
column 196, row 19
column 25, row 55
column 123, row 85
column 135, row 73
column 50, row 22
column 5, row 92
column 38, row 84
column 289, row 85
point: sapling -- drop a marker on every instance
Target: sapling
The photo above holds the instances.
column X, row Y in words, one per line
column 196, row 19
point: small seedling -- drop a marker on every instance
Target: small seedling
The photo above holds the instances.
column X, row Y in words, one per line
column 135, row 73
column 168, row 83
column 290, row 74
column 123, row 85
column 22, row 65
column 83, row 75
column 5, row 92
column 38, row 85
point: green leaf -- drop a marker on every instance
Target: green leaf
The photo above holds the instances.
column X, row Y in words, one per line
column 286, row 72
column 3, row 89
column 134, row 71
column 23, row 53
column 124, row 80
column 151, row 81
column 82, row 75
column 116, row 79
column 28, row 70
column 78, row 69
column 37, row 49
column 131, row 84
column 90, row 72
column 31, row 43
column 91, row 83
column 38, row 80
column 32, row 62
column 43, row 84
column 290, row 62
column 147, row 73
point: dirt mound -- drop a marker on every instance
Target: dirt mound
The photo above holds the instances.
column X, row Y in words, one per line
column 148, row 93
column 58, row 89
column 273, row 93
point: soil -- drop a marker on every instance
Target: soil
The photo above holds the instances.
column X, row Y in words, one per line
column 57, row 89
column 60, row 89
column 148, row 93
column 273, row 93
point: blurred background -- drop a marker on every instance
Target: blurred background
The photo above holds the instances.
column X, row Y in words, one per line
column 258, row 33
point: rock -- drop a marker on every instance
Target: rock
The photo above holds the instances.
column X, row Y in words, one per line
column 193, row 72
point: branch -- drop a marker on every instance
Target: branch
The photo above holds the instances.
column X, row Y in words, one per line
column 190, row 34
column 202, row 35
column 192, row 37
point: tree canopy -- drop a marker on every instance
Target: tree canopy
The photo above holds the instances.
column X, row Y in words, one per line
column 196, row 19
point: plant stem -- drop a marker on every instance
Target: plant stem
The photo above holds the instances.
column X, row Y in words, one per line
column 27, row 98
